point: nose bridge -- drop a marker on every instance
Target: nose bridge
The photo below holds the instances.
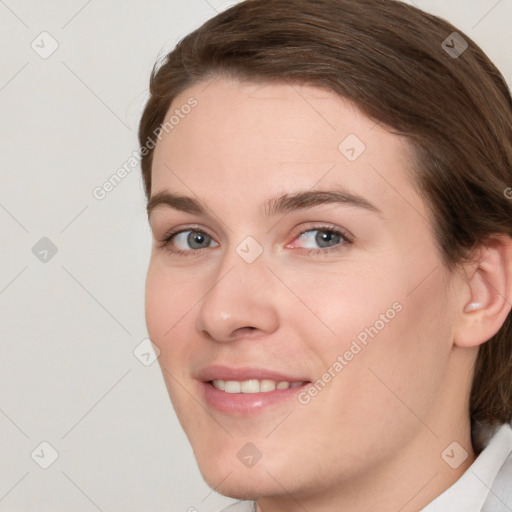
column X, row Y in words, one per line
column 240, row 295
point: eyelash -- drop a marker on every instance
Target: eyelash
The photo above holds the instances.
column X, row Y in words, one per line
column 345, row 239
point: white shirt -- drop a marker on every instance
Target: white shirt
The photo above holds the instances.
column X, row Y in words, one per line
column 486, row 486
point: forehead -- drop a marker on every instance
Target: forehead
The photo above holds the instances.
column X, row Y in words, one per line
column 252, row 141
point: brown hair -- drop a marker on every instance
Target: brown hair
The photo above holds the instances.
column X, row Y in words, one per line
column 396, row 63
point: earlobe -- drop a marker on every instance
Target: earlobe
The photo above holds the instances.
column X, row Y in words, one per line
column 490, row 287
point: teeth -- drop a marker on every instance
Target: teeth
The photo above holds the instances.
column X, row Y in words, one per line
column 232, row 386
column 267, row 385
column 253, row 385
column 250, row 386
column 219, row 384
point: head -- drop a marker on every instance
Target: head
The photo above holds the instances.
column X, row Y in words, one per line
column 343, row 178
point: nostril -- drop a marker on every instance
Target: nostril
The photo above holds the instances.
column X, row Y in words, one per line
column 243, row 330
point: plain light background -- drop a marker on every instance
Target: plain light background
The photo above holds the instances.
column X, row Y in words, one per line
column 69, row 324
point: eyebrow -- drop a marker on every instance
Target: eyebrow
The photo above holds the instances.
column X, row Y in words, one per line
column 274, row 206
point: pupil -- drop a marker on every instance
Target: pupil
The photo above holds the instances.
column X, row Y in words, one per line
column 196, row 240
column 324, row 237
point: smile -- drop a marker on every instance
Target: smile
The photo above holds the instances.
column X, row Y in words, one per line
column 253, row 385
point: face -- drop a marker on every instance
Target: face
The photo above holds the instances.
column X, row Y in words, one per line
column 299, row 301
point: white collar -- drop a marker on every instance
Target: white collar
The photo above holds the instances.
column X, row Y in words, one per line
column 471, row 490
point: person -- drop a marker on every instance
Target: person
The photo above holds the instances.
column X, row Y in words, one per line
column 330, row 283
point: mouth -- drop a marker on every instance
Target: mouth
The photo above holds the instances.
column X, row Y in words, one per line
column 242, row 392
column 253, row 385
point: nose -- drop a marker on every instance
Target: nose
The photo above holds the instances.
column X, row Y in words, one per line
column 240, row 300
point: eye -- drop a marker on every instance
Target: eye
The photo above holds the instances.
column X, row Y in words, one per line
column 194, row 240
column 321, row 240
column 187, row 241
column 317, row 240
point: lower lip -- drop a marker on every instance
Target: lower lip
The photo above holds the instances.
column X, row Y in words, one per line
column 244, row 404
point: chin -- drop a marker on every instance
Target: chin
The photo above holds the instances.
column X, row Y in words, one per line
column 237, row 481
column 244, row 489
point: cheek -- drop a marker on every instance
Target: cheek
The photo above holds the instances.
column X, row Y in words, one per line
column 334, row 308
column 376, row 330
column 167, row 306
column 403, row 363
column 168, row 302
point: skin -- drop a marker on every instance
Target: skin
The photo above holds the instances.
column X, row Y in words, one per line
column 373, row 437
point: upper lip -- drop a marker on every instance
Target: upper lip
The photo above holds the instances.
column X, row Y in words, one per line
column 218, row 372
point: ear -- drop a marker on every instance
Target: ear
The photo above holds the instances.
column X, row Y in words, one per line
column 489, row 280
